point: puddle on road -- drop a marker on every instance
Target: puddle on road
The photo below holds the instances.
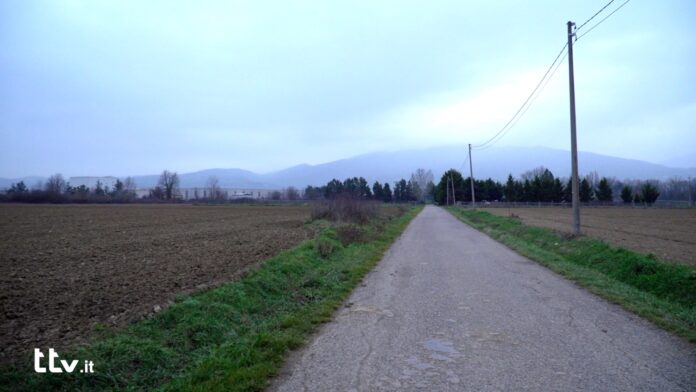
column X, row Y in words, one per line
column 439, row 345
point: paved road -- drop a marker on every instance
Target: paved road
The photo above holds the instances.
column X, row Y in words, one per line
column 449, row 309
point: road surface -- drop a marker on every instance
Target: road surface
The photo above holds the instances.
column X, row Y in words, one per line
column 449, row 309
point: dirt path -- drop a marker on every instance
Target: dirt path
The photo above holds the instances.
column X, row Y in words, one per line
column 448, row 308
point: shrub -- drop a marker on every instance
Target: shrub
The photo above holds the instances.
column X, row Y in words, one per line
column 350, row 234
column 345, row 209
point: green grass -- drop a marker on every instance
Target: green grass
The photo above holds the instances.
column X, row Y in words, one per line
column 662, row 292
column 231, row 338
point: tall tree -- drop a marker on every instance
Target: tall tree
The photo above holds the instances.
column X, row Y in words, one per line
column 444, row 187
column 510, row 191
column 333, row 189
column 649, row 193
column 169, row 182
column 626, row 194
column 419, row 181
column 55, row 184
column 377, row 191
column 18, row 188
column 388, row 197
column 604, row 192
column 585, row 191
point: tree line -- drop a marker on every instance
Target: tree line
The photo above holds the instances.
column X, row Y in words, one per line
column 540, row 185
column 57, row 190
column 536, row 185
column 417, row 189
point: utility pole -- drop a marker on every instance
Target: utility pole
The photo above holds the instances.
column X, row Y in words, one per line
column 573, row 138
column 454, row 197
column 471, row 176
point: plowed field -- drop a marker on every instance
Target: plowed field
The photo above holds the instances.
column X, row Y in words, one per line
column 669, row 234
column 65, row 270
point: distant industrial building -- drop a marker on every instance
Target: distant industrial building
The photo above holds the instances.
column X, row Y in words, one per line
column 183, row 193
column 203, row 193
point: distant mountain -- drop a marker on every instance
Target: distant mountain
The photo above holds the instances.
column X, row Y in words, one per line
column 496, row 163
column 681, row 161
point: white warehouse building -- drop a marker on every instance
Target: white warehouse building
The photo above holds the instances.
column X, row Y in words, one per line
column 189, row 193
column 202, row 193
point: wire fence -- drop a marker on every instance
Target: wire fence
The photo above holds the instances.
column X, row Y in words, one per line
column 593, row 204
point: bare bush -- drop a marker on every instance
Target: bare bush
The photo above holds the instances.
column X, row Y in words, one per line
column 55, row 184
column 345, row 210
column 350, row 234
column 291, row 193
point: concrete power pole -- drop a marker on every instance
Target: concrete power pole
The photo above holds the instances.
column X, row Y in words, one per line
column 573, row 138
column 454, row 197
column 471, row 176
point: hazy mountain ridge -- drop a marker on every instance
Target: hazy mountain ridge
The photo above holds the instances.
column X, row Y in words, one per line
column 496, row 163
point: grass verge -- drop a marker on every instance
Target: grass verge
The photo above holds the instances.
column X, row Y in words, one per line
column 231, row 338
column 662, row 292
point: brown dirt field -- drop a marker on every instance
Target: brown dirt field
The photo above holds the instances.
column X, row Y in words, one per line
column 669, row 234
column 66, row 269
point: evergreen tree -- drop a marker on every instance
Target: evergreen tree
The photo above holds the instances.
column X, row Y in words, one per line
column 377, row 191
column 19, row 187
column 387, row 196
column 585, row 191
column 604, row 192
column 444, row 187
column 626, row 194
column 557, row 192
column 333, row 189
column 568, row 191
column 510, row 191
column 527, row 191
column 364, row 189
column 649, row 193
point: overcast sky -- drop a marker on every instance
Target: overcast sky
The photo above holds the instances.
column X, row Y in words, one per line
column 133, row 87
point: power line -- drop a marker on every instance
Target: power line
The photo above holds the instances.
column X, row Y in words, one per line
column 595, row 15
column 600, row 22
column 507, row 125
column 530, row 103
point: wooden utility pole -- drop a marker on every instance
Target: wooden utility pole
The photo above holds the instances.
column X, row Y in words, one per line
column 471, row 176
column 573, row 138
column 454, row 197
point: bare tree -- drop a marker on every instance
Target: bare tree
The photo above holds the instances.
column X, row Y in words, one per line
column 420, row 182
column 536, row 172
column 129, row 184
column 593, row 178
column 291, row 193
column 214, row 190
column 169, row 182
column 55, row 184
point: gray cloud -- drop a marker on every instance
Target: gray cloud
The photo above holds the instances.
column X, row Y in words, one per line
column 132, row 87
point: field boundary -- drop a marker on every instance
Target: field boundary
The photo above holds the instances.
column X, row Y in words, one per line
column 233, row 337
column 661, row 292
